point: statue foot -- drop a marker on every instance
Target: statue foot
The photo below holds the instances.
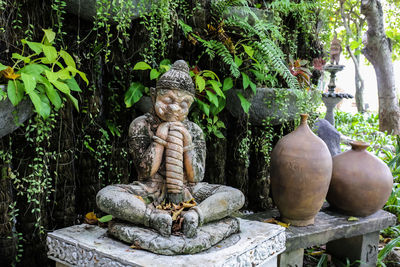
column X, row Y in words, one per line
column 162, row 222
column 190, row 223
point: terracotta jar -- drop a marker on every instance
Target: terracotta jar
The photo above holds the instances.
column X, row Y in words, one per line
column 301, row 169
column 361, row 183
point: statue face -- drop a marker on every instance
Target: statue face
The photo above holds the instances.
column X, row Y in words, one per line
column 172, row 105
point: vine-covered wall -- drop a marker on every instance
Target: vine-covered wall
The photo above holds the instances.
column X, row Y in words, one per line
column 51, row 169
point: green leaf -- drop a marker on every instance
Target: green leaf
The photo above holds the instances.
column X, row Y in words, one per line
column 221, row 124
column 50, row 52
column 217, row 88
column 200, row 82
column 355, row 44
column 154, row 74
column 388, row 248
column 228, row 84
column 50, row 35
column 165, row 62
column 246, row 80
column 134, row 94
column 141, row 66
column 37, row 103
column 20, row 57
column 3, row 67
column 63, row 87
column 249, row 50
column 3, row 95
column 106, row 218
column 73, row 85
column 218, row 134
column 352, row 219
column 15, row 91
column 221, row 105
column 36, row 47
column 165, row 68
column 46, row 108
column 204, row 107
column 238, row 61
column 51, row 93
column 34, row 69
column 69, row 61
column 213, row 98
column 82, row 74
column 74, row 101
column 29, row 82
column 63, row 74
column 53, row 96
column 51, row 76
column 253, row 87
column 244, row 102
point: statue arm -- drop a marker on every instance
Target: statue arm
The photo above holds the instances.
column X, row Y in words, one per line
column 146, row 151
column 195, row 155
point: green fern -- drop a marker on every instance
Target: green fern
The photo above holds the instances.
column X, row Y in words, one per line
column 220, row 7
column 267, row 51
column 287, row 6
column 271, row 53
column 216, row 47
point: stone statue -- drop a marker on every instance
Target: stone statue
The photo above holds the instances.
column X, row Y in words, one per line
column 336, row 50
column 169, row 154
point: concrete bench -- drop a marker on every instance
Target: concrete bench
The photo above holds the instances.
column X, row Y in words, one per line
column 355, row 240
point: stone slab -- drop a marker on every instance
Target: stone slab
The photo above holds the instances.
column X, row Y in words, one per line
column 149, row 239
column 329, row 225
column 257, row 244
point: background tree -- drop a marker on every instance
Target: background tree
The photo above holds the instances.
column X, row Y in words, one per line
column 354, row 23
column 344, row 18
column 378, row 51
column 346, row 15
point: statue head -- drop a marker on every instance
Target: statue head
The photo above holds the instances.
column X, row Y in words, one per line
column 174, row 93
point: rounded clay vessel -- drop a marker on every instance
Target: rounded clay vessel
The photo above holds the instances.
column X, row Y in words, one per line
column 361, row 183
column 301, row 169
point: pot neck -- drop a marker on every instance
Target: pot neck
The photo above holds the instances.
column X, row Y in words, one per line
column 359, row 145
column 304, row 118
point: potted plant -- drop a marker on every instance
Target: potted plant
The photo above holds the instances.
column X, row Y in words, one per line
column 41, row 75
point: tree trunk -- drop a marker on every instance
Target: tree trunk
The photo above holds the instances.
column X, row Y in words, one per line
column 359, row 84
column 378, row 51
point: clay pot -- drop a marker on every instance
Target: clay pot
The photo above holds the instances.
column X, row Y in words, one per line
column 301, row 169
column 361, row 183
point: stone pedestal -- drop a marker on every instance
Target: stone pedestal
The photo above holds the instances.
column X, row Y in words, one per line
column 363, row 248
column 257, row 244
column 330, row 103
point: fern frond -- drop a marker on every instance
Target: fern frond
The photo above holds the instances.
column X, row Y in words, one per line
column 286, row 6
column 220, row 7
column 269, row 51
column 216, row 47
column 185, row 28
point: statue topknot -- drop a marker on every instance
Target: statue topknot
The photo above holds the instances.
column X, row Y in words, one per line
column 177, row 78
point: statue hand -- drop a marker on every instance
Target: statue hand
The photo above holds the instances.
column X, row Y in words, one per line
column 162, row 130
column 178, row 126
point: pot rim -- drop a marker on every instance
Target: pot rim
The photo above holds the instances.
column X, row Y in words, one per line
column 359, row 145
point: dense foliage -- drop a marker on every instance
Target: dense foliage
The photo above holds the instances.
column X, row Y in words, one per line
column 54, row 165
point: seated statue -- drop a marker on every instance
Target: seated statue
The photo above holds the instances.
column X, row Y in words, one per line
column 336, row 50
column 169, row 154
